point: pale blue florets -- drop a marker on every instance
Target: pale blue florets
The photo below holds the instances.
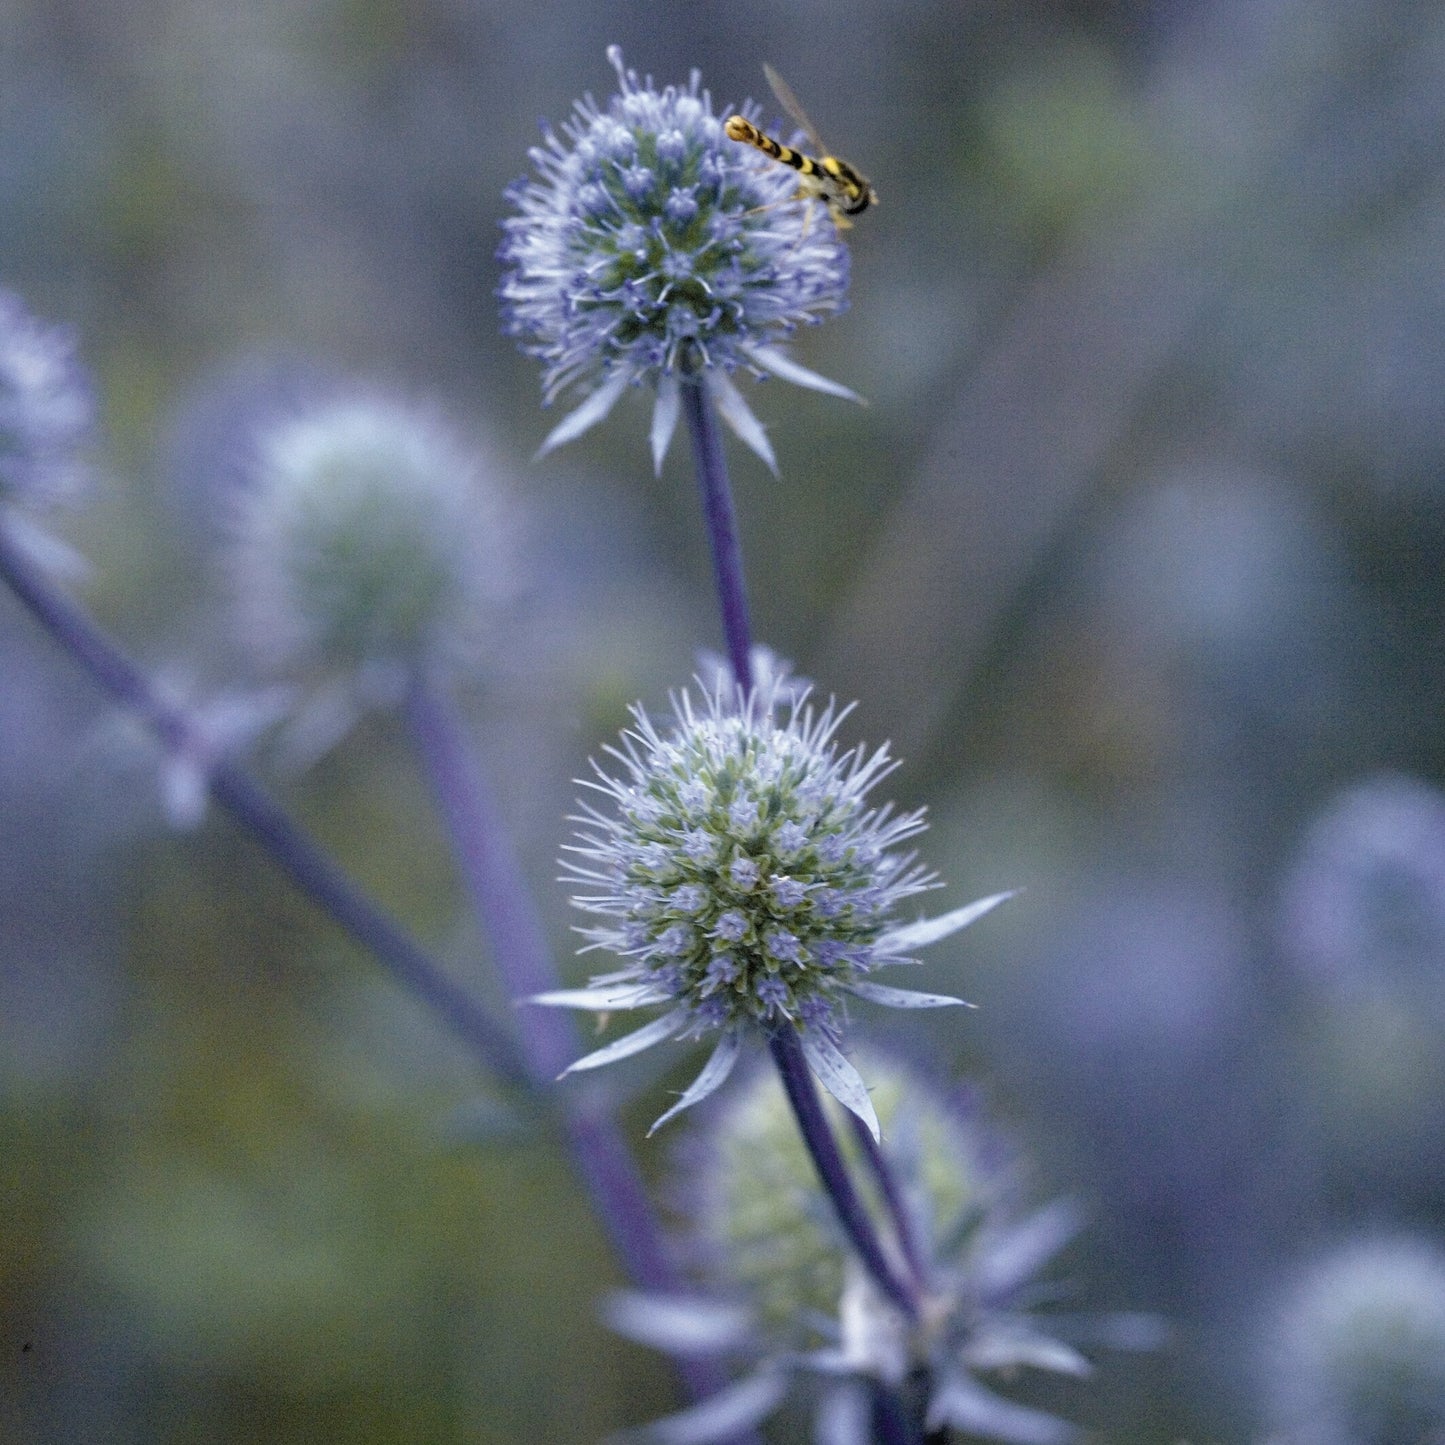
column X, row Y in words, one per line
column 741, row 875
column 1364, row 905
column 744, row 875
column 651, row 248
column 47, row 408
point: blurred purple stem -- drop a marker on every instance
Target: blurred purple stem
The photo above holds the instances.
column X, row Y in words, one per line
column 787, row 1052
column 892, row 1197
column 493, row 876
column 890, row 1418
column 507, row 914
column 722, row 530
column 306, row 864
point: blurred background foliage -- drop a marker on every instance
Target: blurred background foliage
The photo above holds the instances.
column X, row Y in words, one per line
column 1135, row 556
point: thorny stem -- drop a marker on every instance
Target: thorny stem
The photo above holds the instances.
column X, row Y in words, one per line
column 312, row 870
column 722, row 529
column 787, row 1052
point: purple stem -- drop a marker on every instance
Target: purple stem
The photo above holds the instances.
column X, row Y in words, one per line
column 721, row 521
column 722, row 528
column 506, row 911
column 292, row 850
column 787, row 1051
column 892, row 1196
column 890, row 1419
column 317, row 875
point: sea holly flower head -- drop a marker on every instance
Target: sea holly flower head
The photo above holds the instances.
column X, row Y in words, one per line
column 369, row 545
column 651, row 249
column 47, row 408
column 780, row 1295
column 365, row 538
column 1364, row 904
column 47, row 421
column 740, row 873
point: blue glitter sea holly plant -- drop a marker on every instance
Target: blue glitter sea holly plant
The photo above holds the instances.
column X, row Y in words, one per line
column 774, row 1290
column 749, row 886
column 732, row 860
column 651, row 249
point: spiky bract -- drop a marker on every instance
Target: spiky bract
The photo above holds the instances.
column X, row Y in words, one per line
column 783, row 1296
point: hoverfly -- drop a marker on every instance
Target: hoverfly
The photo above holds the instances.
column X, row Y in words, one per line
column 843, row 190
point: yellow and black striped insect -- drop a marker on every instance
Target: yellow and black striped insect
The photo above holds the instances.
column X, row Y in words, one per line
column 824, row 177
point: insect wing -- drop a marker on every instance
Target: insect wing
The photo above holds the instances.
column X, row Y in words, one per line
column 791, row 104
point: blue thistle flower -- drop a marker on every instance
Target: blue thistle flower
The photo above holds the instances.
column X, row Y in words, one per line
column 47, row 408
column 652, row 249
column 749, row 886
column 367, row 544
column 782, row 1296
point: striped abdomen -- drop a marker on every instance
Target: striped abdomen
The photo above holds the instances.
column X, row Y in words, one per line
column 834, row 182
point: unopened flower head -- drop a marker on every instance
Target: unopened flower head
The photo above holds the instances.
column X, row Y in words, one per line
column 47, row 408
column 365, row 538
column 740, row 873
column 781, row 1294
column 1355, row 1354
column 650, row 248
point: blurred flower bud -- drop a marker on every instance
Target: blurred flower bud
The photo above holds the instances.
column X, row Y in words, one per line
column 47, row 409
column 1357, row 1347
column 783, row 1295
column 368, row 543
column 1364, row 905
